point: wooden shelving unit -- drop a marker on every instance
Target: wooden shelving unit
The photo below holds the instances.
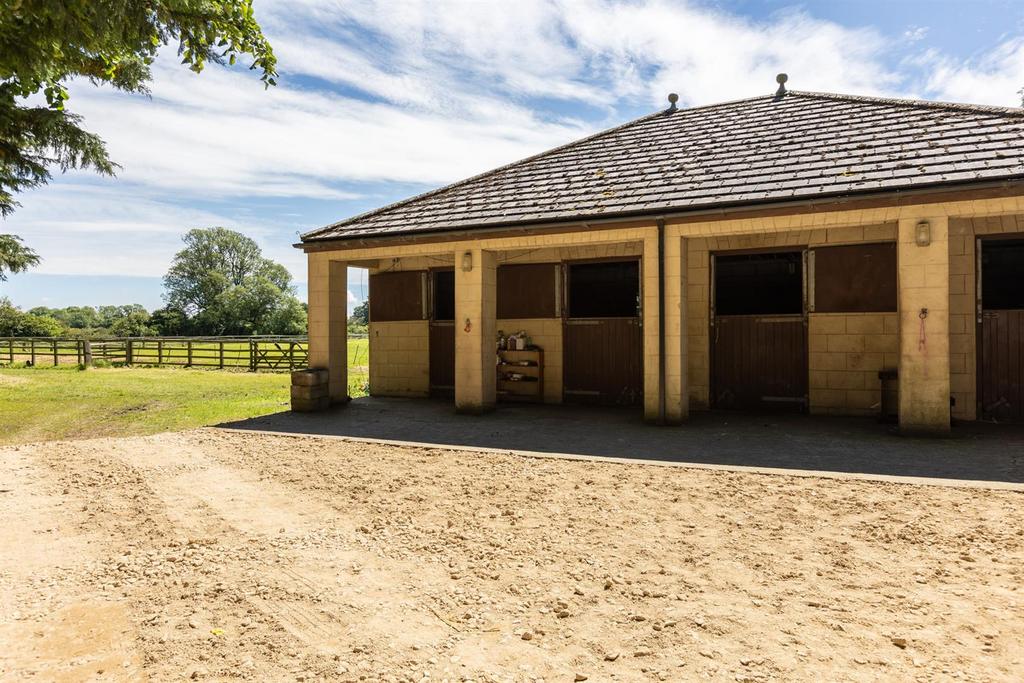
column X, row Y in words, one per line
column 529, row 364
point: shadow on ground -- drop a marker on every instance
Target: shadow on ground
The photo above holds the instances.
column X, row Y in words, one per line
column 977, row 451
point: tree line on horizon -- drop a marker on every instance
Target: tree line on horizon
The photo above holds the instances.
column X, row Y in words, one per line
column 219, row 284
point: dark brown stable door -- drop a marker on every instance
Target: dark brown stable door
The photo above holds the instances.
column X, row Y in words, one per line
column 1001, row 330
column 758, row 332
column 442, row 333
column 602, row 341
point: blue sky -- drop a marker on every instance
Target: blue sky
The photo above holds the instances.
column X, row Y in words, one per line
column 378, row 101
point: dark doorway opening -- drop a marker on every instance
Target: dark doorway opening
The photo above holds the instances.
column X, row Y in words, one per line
column 442, row 333
column 602, row 342
column 443, row 300
column 604, row 289
column 759, row 284
column 1002, row 277
column 759, row 332
column 1001, row 330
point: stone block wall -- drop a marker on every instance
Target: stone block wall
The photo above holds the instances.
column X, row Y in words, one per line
column 399, row 358
column 845, row 353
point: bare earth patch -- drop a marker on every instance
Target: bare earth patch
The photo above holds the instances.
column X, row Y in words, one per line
column 218, row 555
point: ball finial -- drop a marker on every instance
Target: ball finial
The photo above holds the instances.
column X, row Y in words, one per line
column 781, row 80
column 672, row 99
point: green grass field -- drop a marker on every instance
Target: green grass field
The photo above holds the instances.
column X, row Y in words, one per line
column 45, row 403
column 358, row 367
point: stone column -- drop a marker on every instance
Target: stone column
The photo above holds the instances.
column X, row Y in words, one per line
column 328, row 322
column 476, row 327
column 673, row 381
column 677, row 401
column 649, row 278
column 924, row 341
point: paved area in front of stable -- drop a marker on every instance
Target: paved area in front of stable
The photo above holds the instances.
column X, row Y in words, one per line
column 863, row 446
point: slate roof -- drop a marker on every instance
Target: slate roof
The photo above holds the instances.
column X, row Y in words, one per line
column 753, row 151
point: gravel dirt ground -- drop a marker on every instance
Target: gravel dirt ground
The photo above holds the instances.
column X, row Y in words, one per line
column 217, row 555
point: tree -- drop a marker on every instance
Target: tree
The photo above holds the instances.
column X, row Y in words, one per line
column 361, row 314
column 134, row 324
column 109, row 315
column 15, row 323
column 15, row 257
column 45, row 44
column 359, row 321
column 79, row 317
column 39, row 326
column 169, row 321
column 224, row 285
column 10, row 318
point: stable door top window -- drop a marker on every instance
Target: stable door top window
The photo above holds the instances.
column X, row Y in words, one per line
column 604, row 289
column 759, row 284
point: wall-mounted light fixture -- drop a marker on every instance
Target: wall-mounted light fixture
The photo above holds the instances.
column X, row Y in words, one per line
column 923, row 234
column 467, row 261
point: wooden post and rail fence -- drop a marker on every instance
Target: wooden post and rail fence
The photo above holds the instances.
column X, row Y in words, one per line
column 249, row 353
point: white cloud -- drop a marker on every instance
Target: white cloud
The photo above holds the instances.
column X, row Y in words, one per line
column 993, row 77
column 914, row 34
column 220, row 134
column 602, row 53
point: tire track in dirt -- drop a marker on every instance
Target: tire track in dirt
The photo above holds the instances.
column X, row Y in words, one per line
column 296, row 547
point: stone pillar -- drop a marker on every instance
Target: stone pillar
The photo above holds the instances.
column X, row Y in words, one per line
column 671, row 378
column 476, row 327
column 677, row 401
column 649, row 277
column 924, row 342
column 328, row 322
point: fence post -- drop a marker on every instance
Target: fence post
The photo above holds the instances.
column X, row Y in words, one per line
column 252, row 356
column 159, row 352
column 32, row 350
column 129, row 352
column 56, row 360
column 189, row 363
column 221, row 354
column 87, row 352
